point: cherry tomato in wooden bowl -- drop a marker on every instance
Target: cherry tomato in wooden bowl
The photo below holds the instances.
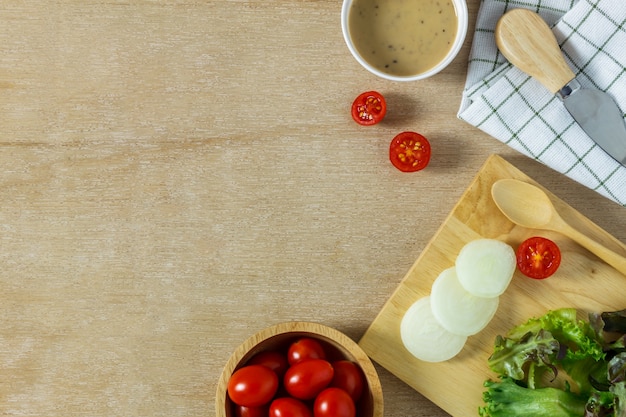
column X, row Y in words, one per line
column 274, row 360
column 369, row 108
column 334, row 402
column 359, row 380
column 289, row 407
column 303, row 349
column 349, row 377
column 409, row 152
column 538, row 257
column 305, row 379
column 253, row 386
column 242, row 411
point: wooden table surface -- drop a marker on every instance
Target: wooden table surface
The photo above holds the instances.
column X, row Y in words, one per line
column 177, row 175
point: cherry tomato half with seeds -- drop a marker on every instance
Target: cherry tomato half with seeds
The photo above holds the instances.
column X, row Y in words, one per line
column 334, row 402
column 349, row 377
column 369, row 108
column 538, row 257
column 252, row 385
column 409, row 152
column 306, row 379
column 304, row 349
column 289, row 407
column 276, row 361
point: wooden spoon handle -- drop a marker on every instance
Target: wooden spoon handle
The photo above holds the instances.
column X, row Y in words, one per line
column 607, row 255
column 525, row 39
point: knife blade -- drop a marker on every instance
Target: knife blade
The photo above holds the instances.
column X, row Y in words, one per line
column 527, row 41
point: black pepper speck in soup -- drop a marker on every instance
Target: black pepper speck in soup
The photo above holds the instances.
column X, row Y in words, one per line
column 403, row 37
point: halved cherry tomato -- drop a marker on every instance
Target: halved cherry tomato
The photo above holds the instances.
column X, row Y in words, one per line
column 334, row 402
column 369, row 108
column 289, row 407
column 306, row 379
column 349, row 377
column 303, row 349
column 538, row 257
column 274, row 360
column 409, row 152
column 252, row 385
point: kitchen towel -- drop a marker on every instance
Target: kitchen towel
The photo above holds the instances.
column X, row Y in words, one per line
column 516, row 109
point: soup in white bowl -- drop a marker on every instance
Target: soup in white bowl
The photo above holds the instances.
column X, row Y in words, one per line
column 404, row 39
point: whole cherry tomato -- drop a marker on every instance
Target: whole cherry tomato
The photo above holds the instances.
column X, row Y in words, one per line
column 289, row 407
column 306, row 379
column 349, row 377
column 304, row 349
column 274, row 360
column 242, row 411
column 369, row 108
column 334, row 402
column 538, row 257
column 252, row 386
column 409, row 152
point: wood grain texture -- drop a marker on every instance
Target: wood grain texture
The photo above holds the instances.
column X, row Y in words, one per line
column 177, row 175
column 582, row 281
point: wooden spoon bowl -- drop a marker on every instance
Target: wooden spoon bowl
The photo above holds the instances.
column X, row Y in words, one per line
column 338, row 346
column 529, row 206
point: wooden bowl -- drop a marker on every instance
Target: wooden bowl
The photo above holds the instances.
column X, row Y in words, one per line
column 338, row 346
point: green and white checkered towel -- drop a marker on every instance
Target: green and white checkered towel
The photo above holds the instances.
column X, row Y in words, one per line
column 517, row 110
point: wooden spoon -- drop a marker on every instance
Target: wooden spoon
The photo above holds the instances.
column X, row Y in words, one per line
column 528, row 206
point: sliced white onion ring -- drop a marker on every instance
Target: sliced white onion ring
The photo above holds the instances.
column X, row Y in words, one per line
column 424, row 337
column 457, row 310
column 485, row 267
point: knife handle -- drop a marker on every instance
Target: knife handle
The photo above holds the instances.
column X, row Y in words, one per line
column 526, row 40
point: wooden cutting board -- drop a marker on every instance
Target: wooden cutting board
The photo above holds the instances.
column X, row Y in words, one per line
column 582, row 281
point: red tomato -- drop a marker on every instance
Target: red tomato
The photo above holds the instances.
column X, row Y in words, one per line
column 348, row 377
column 276, row 361
column 409, row 152
column 334, row 402
column 538, row 257
column 304, row 349
column 252, row 386
column 369, row 108
column 241, row 411
column 289, row 407
column 306, row 379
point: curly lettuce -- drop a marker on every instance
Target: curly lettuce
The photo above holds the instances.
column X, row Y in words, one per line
column 507, row 398
column 531, row 356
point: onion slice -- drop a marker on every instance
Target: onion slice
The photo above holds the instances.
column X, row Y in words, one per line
column 424, row 337
column 457, row 310
column 485, row 267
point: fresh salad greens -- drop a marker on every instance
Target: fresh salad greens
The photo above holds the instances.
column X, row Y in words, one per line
column 559, row 366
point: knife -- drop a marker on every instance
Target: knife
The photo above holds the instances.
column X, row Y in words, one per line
column 526, row 40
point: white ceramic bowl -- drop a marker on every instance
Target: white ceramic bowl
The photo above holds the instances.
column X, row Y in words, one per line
column 460, row 7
